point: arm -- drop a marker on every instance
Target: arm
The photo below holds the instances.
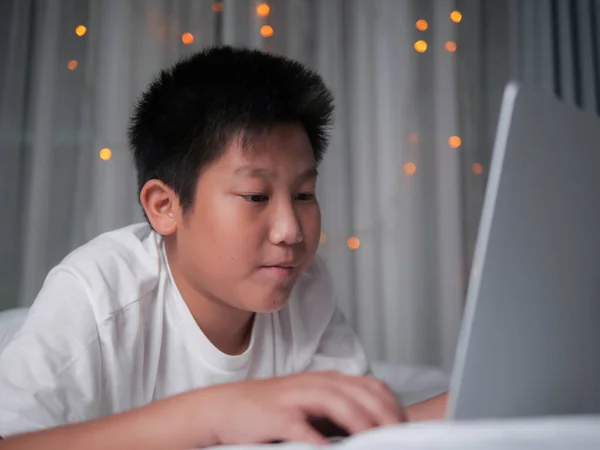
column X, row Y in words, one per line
column 194, row 417
column 139, row 428
column 431, row 409
column 248, row 412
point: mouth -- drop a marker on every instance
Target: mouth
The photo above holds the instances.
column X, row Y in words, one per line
column 281, row 270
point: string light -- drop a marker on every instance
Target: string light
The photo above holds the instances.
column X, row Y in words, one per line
column 450, row 46
column 217, row 7
column 105, row 154
column 410, row 168
column 421, row 25
column 187, row 38
column 421, row 46
column 454, row 141
column 263, row 10
column 477, row 168
column 353, row 243
column 72, row 65
column 413, row 138
column 266, row 31
column 323, row 238
column 80, row 30
column 455, row 16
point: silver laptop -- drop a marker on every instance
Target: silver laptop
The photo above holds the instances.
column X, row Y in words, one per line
column 530, row 343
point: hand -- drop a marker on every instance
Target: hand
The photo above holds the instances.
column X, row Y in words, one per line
column 249, row 412
column 282, row 409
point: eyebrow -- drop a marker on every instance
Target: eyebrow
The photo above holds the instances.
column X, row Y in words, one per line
column 265, row 174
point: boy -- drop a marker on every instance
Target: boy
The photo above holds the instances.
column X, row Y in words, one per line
column 193, row 330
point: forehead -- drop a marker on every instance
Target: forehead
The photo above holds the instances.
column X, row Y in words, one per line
column 283, row 149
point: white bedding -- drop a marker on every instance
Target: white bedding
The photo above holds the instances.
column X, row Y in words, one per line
column 569, row 433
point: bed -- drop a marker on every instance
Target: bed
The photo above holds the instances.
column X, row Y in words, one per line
column 551, row 433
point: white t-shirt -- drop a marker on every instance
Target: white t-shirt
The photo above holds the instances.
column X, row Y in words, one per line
column 109, row 331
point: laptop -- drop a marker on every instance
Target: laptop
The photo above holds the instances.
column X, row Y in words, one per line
column 530, row 342
column 529, row 347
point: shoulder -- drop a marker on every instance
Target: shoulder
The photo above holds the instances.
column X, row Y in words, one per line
column 116, row 268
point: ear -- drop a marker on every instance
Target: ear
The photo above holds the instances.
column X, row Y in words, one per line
column 161, row 205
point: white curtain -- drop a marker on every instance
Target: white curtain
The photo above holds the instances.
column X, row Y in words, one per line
column 390, row 181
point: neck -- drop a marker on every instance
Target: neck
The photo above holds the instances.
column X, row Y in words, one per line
column 227, row 328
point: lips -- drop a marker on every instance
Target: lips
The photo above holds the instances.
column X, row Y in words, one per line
column 281, row 270
column 285, row 264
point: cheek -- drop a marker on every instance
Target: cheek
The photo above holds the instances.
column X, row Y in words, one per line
column 311, row 227
column 224, row 230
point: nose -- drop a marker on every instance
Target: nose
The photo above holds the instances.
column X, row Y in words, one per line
column 285, row 227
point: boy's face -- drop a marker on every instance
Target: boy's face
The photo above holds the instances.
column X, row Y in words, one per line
column 255, row 224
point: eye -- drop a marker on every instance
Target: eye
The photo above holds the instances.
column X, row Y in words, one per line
column 256, row 198
column 305, row 197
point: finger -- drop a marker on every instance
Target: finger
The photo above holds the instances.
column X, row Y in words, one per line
column 336, row 405
column 295, row 428
column 379, row 412
column 378, row 409
column 372, row 395
column 394, row 412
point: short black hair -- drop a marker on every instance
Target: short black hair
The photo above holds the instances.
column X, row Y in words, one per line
column 184, row 118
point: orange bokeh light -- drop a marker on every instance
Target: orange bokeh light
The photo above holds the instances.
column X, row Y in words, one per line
column 450, row 46
column 422, row 25
column 420, row 46
column 455, row 16
column 353, row 243
column 187, row 38
column 105, row 154
column 266, row 31
column 454, row 141
column 263, row 10
column 410, row 168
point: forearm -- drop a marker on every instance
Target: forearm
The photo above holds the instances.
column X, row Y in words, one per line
column 178, row 422
column 431, row 409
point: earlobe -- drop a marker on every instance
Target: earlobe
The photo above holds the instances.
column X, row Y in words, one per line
column 161, row 205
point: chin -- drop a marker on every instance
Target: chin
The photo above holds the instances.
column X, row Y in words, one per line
column 270, row 303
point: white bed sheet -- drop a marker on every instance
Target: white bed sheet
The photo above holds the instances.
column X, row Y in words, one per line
column 552, row 433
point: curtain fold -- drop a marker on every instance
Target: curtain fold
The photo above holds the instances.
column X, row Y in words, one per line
column 15, row 44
